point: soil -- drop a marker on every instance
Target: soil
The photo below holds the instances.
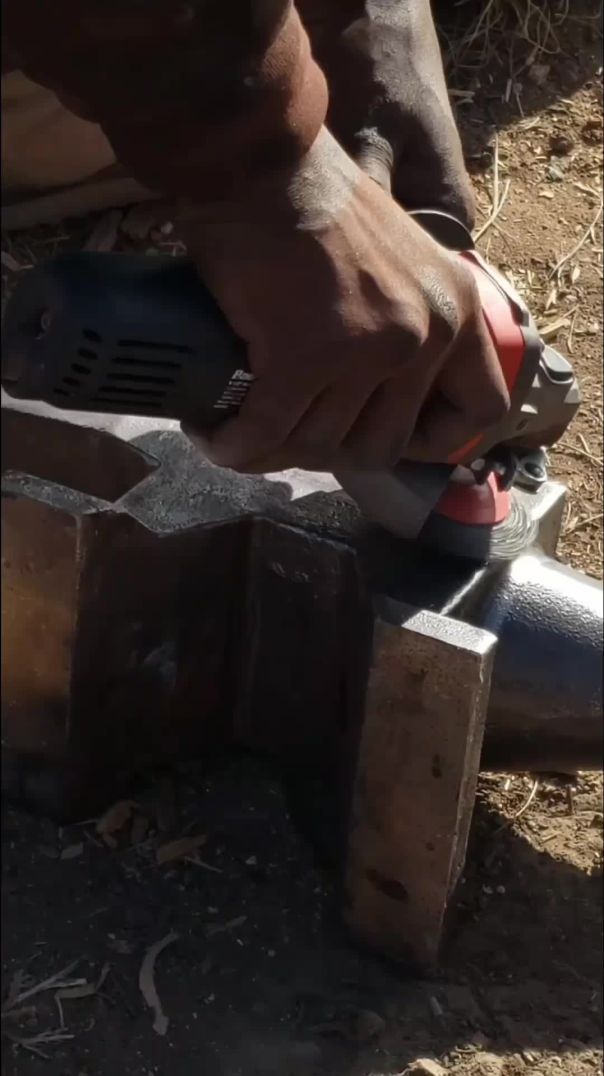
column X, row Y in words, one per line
column 261, row 979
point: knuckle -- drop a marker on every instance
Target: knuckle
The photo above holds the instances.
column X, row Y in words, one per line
column 409, row 330
column 494, row 406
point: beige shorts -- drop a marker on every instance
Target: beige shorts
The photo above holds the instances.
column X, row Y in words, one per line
column 54, row 165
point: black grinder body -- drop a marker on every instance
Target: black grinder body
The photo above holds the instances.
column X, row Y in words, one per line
column 186, row 363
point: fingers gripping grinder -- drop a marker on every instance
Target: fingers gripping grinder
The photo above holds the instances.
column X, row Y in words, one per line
column 131, row 334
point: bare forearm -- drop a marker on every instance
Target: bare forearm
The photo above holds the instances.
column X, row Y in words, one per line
column 388, row 101
column 368, row 50
column 201, row 99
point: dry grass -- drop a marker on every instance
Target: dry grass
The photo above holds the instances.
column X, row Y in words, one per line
column 515, row 34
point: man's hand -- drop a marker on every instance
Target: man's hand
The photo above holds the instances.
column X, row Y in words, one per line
column 366, row 338
column 389, row 105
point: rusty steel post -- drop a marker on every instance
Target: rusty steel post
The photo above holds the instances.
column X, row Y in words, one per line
column 306, row 634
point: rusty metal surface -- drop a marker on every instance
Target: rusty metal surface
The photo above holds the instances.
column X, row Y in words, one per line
column 120, row 647
column 416, row 770
column 77, row 457
column 158, row 638
column 40, row 548
column 206, row 609
column 305, row 630
column 298, row 596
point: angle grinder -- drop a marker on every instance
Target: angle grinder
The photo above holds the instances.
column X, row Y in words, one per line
column 138, row 335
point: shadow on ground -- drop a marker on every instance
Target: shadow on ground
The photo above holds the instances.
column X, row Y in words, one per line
column 263, row 979
column 516, row 81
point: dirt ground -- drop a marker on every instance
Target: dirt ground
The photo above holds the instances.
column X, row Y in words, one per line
column 257, row 977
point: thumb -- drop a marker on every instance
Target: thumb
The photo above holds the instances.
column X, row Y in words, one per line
column 375, row 157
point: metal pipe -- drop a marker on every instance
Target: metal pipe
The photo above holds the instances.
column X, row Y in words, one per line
column 545, row 709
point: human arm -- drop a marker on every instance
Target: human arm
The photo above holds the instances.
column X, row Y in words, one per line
column 388, row 99
column 365, row 338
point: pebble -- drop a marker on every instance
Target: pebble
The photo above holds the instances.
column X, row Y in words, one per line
column 423, row 1066
column 539, row 73
column 436, row 1007
column 480, row 1040
column 560, row 145
column 555, row 173
column 72, row 851
column 104, row 234
column 489, row 1064
column 368, row 1025
column 139, row 221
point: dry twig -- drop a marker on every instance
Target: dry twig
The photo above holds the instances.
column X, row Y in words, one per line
column 32, row 1043
column 577, row 247
column 57, row 981
column 495, row 213
column 146, row 982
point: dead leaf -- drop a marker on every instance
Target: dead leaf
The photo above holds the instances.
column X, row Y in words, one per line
column 180, row 848
column 220, row 928
column 11, row 263
column 115, row 819
column 32, row 1042
column 20, row 982
column 120, row 945
column 104, row 234
column 58, row 980
column 551, row 299
column 146, row 982
column 72, row 851
column 197, row 862
column 139, row 221
column 550, row 329
column 86, row 990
